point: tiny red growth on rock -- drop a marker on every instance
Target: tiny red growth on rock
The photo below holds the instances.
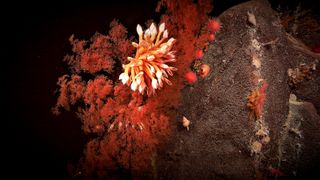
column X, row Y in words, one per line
column 214, row 26
column 191, row 77
column 212, row 37
column 199, row 54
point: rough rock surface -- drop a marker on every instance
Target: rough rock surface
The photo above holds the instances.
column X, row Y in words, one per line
column 223, row 142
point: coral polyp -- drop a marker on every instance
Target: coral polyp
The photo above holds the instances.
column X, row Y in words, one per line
column 148, row 69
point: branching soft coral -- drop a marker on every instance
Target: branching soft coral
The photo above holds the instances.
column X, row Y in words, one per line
column 71, row 90
column 130, row 126
column 103, row 51
column 133, row 131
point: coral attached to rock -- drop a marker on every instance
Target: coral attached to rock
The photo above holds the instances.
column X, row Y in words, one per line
column 256, row 100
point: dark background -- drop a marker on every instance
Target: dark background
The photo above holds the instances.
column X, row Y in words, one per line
column 38, row 144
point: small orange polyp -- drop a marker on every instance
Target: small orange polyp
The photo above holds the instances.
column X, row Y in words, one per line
column 204, row 70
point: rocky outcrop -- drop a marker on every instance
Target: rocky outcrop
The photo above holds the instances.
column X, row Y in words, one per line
column 223, row 142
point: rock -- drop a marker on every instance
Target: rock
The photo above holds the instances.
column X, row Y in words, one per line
column 219, row 145
column 300, row 139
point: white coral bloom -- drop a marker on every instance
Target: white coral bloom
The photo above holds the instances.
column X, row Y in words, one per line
column 147, row 70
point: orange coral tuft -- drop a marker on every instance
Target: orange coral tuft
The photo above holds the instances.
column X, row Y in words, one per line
column 256, row 100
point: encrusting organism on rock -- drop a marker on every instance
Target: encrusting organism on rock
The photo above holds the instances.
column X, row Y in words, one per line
column 214, row 25
column 204, row 70
column 186, row 123
column 256, row 100
column 191, row 77
column 148, row 69
column 300, row 74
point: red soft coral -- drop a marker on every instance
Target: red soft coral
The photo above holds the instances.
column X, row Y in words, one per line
column 71, row 90
column 128, row 126
column 103, row 51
